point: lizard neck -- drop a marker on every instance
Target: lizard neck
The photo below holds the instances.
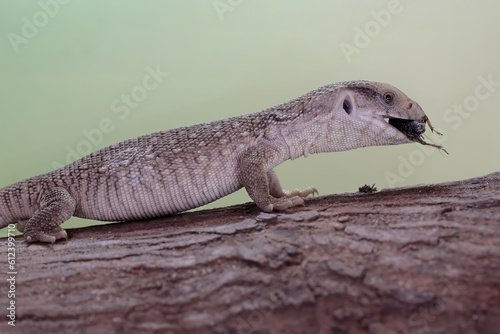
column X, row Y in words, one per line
column 313, row 123
column 315, row 131
column 311, row 135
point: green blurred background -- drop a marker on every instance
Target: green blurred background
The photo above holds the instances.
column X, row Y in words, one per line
column 65, row 66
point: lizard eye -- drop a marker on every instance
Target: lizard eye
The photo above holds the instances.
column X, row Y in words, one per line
column 388, row 97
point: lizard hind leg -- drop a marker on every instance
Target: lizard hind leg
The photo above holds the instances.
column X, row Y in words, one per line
column 56, row 207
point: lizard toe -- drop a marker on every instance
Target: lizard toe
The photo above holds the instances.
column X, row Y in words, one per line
column 285, row 203
column 301, row 193
column 48, row 237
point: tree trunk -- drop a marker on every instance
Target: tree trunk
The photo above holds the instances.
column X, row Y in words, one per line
column 420, row 259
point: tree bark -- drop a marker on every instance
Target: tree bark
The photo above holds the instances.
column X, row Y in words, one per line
column 420, row 259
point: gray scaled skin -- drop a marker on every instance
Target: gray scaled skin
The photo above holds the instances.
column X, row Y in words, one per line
column 179, row 169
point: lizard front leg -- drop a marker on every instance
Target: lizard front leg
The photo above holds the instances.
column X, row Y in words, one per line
column 56, row 207
column 263, row 185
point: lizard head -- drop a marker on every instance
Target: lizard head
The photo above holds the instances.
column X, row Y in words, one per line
column 383, row 113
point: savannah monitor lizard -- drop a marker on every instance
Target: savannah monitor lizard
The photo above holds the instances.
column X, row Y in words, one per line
column 179, row 169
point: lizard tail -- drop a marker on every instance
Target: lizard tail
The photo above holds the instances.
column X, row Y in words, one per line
column 4, row 215
column 12, row 209
column 4, row 222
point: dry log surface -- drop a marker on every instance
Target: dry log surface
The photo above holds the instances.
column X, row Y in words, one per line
column 420, row 259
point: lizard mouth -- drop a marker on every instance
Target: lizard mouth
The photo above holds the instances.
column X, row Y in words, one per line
column 411, row 128
column 414, row 129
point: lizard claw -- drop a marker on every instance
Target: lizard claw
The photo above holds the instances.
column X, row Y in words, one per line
column 301, row 193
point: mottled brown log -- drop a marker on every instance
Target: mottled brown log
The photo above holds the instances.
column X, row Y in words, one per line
column 420, row 259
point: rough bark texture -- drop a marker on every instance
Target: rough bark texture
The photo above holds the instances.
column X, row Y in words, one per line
column 421, row 259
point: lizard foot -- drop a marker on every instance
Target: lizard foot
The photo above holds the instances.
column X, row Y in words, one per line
column 280, row 204
column 56, row 207
column 301, row 193
column 45, row 236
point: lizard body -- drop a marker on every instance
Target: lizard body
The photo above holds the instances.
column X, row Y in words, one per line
column 179, row 169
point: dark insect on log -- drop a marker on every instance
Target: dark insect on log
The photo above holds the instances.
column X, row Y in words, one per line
column 367, row 189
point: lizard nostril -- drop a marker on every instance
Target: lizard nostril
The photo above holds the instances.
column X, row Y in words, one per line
column 410, row 105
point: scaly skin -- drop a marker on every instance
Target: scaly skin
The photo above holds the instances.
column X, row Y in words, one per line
column 180, row 169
